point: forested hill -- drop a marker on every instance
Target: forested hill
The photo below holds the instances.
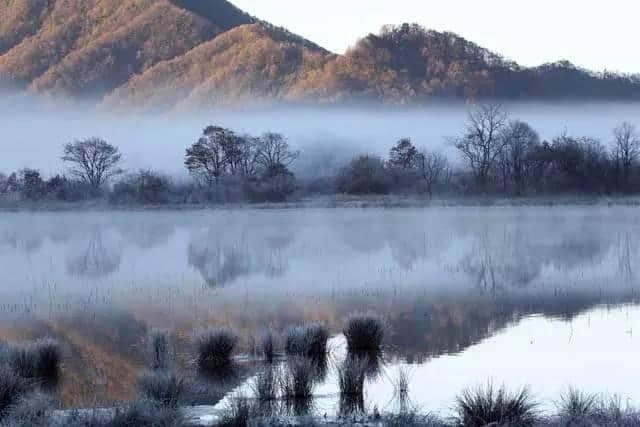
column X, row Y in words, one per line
column 160, row 54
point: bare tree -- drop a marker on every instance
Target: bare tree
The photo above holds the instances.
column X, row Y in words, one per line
column 274, row 151
column 432, row 166
column 482, row 142
column 93, row 160
column 206, row 158
column 626, row 149
column 249, row 158
column 520, row 141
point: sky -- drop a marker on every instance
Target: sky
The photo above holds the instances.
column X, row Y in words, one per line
column 594, row 34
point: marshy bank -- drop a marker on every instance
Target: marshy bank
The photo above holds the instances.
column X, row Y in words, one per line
column 285, row 390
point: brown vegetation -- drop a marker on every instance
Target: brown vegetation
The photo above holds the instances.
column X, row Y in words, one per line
column 157, row 54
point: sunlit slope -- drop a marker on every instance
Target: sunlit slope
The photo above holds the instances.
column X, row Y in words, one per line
column 78, row 47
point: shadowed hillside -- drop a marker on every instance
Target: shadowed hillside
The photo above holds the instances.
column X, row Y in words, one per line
column 159, row 54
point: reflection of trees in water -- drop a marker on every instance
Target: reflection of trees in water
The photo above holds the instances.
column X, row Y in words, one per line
column 96, row 260
column 516, row 256
column 626, row 249
column 146, row 234
column 219, row 265
column 23, row 240
column 222, row 256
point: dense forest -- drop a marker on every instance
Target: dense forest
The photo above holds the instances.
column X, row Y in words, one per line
column 497, row 155
column 162, row 54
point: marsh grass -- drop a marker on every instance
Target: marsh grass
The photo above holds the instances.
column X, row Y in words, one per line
column 307, row 341
column 364, row 332
column 297, row 379
column 486, row 405
column 238, row 412
column 166, row 388
column 265, row 384
column 12, row 388
column 269, row 342
column 401, row 389
column 214, row 348
column 38, row 361
column 157, row 350
column 577, row 405
column 351, row 378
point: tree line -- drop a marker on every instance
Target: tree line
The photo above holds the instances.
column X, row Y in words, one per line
column 500, row 156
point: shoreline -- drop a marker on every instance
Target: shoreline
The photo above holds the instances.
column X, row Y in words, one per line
column 336, row 202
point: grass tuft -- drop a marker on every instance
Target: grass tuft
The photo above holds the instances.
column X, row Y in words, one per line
column 575, row 405
column 215, row 347
column 265, row 384
column 165, row 388
column 268, row 345
column 158, row 350
column 12, row 388
column 486, row 405
column 351, row 377
column 238, row 413
column 37, row 361
column 297, row 380
column 364, row 332
column 307, row 341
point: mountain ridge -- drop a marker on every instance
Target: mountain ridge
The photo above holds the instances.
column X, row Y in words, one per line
column 162, row 54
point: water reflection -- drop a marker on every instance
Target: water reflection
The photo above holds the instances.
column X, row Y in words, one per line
column 96, row 260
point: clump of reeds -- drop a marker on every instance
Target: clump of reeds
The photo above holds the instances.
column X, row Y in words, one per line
column 307, row 341
column 351, row 377
column 486, row 405
column 215, row 347
column 158, row 350
column 238, row 413
column 265, row 384
column 12, row 388
column 165, row 388
column 37, row 361
column 364, row 332
column 575, row 405
column 297, row 380
column 269, row 342
column 401, row 388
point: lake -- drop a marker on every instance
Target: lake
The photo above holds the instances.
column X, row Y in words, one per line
column 538, row 296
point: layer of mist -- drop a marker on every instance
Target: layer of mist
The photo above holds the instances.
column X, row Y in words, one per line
column 35, row 130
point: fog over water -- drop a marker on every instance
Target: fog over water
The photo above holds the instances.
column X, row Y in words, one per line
column 470, row 293
column 33, row 136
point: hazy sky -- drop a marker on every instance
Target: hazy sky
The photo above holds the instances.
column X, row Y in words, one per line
column 592, row 33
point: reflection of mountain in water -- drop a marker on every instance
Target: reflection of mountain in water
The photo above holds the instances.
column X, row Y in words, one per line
column 96, row 260
column 424, row 327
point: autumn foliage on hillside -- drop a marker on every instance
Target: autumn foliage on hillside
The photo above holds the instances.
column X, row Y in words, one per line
column 160, row 54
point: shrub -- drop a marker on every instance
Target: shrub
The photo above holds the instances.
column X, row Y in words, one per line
column 166, row 388
column 158, row 350
column 215, row 348
column 297, row 379
column 364, row 332
column 307, row 341
column 484, row 406
column 364, row 175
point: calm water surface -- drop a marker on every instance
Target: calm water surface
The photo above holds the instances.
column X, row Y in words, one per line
column 544, row 296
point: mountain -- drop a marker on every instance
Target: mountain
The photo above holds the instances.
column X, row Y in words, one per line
column 161, row 54
column 87, row 47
